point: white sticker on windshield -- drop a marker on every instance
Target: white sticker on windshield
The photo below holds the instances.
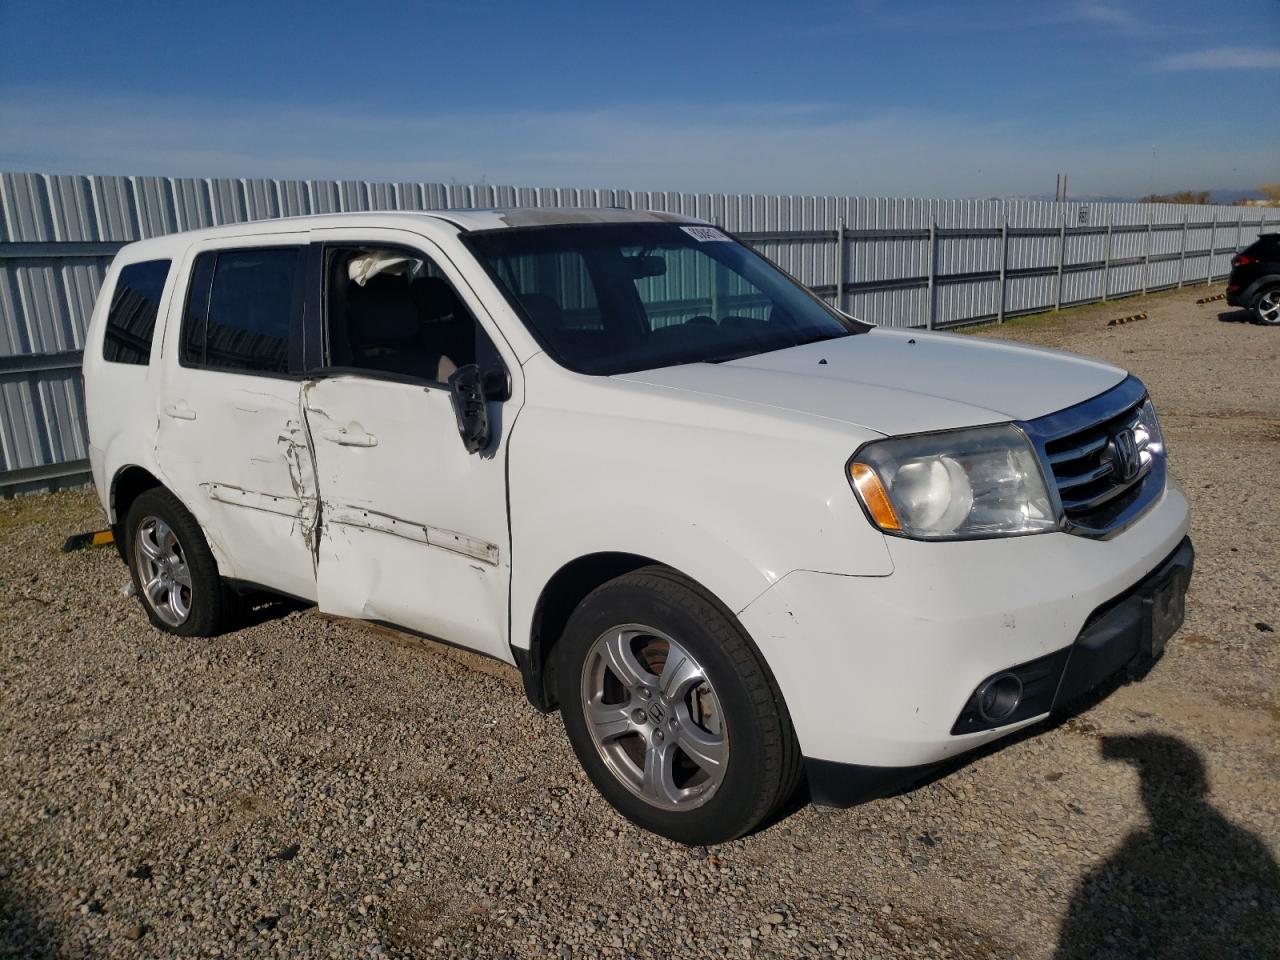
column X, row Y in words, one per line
column 703, row 234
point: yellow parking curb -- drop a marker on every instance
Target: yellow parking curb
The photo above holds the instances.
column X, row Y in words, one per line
column 94, row 538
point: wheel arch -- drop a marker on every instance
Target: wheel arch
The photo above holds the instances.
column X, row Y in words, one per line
column 127, row 484
column 560, row 596
column 1259, row 286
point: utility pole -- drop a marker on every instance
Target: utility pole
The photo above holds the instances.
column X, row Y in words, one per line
column 1064, row 188
column 1057, row 186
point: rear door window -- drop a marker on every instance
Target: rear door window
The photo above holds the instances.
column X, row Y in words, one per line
column 242, row 310
column 131, row 318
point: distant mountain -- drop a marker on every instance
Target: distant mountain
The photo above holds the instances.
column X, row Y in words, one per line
column 1231, row 196
column 1215, row 196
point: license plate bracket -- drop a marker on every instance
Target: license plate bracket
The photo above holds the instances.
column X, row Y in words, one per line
column 1166, row 607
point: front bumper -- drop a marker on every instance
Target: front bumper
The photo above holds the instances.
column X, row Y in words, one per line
column 1120, row 638
column 876, row 671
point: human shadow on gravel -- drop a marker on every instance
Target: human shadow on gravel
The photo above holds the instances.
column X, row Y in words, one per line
column 21, row 933
column 1191, row 884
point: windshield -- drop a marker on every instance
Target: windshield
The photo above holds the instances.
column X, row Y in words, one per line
column 615, row 298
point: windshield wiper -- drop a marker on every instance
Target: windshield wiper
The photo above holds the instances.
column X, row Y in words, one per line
column 816, row 338
column 751, row 351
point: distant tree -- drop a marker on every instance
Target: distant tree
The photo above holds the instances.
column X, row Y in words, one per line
column 1182, row 196
column 1271, row 191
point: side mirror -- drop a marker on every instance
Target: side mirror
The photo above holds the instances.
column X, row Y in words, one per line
column 466, row 390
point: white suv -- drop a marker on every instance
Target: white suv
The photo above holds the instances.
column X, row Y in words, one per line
column 739, row 538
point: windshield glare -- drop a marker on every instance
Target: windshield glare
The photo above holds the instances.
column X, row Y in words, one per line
column 616, row 298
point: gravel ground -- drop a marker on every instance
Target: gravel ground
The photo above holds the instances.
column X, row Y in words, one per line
column 313, row 787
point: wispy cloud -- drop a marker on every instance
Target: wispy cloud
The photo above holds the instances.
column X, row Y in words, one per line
column 864, row 16
column 775, row 147
column 1223, row 58
column 1104, row 13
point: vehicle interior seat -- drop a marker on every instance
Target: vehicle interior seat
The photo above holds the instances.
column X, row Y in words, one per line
column 384, row 329
column 446, row 325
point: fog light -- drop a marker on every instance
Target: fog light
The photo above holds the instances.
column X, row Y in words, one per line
column 998, row 697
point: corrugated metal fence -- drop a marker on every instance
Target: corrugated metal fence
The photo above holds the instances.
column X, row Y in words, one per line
column 913, row 262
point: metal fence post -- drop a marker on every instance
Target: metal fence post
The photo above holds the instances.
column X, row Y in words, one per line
column 838, row 302
column 1146, row 257
column 1062, row 256
column 1004, row 263
column 933, row 264
column 1239, row 224
column 1182, row 259
column 1106, row 260
column 1213, row 244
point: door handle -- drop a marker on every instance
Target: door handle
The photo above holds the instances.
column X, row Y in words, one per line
column 180, row 411
column 352, row 435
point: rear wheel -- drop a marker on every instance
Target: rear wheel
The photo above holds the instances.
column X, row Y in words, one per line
column 672, row 712
column 174, row 573
column 1267, row 307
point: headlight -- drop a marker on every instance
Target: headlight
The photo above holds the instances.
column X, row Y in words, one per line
column 1147, row 435
column 983, row 482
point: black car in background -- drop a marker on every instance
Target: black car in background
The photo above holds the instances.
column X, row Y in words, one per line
column 1255, row 279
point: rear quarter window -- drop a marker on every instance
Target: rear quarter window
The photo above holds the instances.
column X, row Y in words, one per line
column 131, row 318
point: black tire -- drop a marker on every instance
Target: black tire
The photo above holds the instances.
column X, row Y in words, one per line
column 211, row 603
column 762, row 768
column 1266, row 306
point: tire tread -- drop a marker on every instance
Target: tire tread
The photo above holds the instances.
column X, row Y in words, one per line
column 780, row 761
column 216, row 612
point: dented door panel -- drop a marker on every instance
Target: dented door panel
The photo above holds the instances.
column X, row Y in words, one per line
column 240, row 459
column 413, row 528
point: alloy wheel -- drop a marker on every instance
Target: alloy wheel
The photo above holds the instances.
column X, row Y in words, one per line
column 654, row 717
column 1269, row 306
column 163, row 574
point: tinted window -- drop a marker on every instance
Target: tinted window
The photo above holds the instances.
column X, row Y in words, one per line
column 241, row 309
column 131, row 320
column 1266, row 246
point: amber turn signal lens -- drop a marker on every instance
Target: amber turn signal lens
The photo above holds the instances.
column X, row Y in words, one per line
column 872, row 493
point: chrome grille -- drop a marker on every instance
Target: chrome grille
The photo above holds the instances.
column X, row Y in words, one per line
column 1106, row 464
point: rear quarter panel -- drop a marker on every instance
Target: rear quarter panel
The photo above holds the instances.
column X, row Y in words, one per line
column 121, row 399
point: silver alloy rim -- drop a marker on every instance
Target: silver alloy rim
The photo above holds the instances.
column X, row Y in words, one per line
column 163, row 571
column 654, row 717
column 1269, row 307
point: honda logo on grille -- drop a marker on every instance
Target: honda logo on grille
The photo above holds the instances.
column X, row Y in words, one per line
column 1125, row 456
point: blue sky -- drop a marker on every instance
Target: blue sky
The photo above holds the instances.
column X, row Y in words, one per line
column 853, row 97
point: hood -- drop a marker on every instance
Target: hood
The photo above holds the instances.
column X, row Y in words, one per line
column 900, row 381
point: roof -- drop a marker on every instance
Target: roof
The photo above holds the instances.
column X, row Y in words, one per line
column 464, row 220
column 554, row 216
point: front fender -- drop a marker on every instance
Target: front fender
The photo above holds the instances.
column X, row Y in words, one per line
column 734, row 510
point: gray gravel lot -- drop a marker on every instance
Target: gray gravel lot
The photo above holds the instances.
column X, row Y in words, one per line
column 312, row 787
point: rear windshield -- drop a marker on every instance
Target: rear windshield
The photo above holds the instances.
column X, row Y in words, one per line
column 615, row 298
column 1267, row 245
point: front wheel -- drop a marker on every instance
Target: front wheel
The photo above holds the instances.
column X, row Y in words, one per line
column 1267, row 307
column 672, row 712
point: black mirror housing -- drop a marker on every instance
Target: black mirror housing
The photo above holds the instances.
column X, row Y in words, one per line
column 643, row 266
column 466, row 390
